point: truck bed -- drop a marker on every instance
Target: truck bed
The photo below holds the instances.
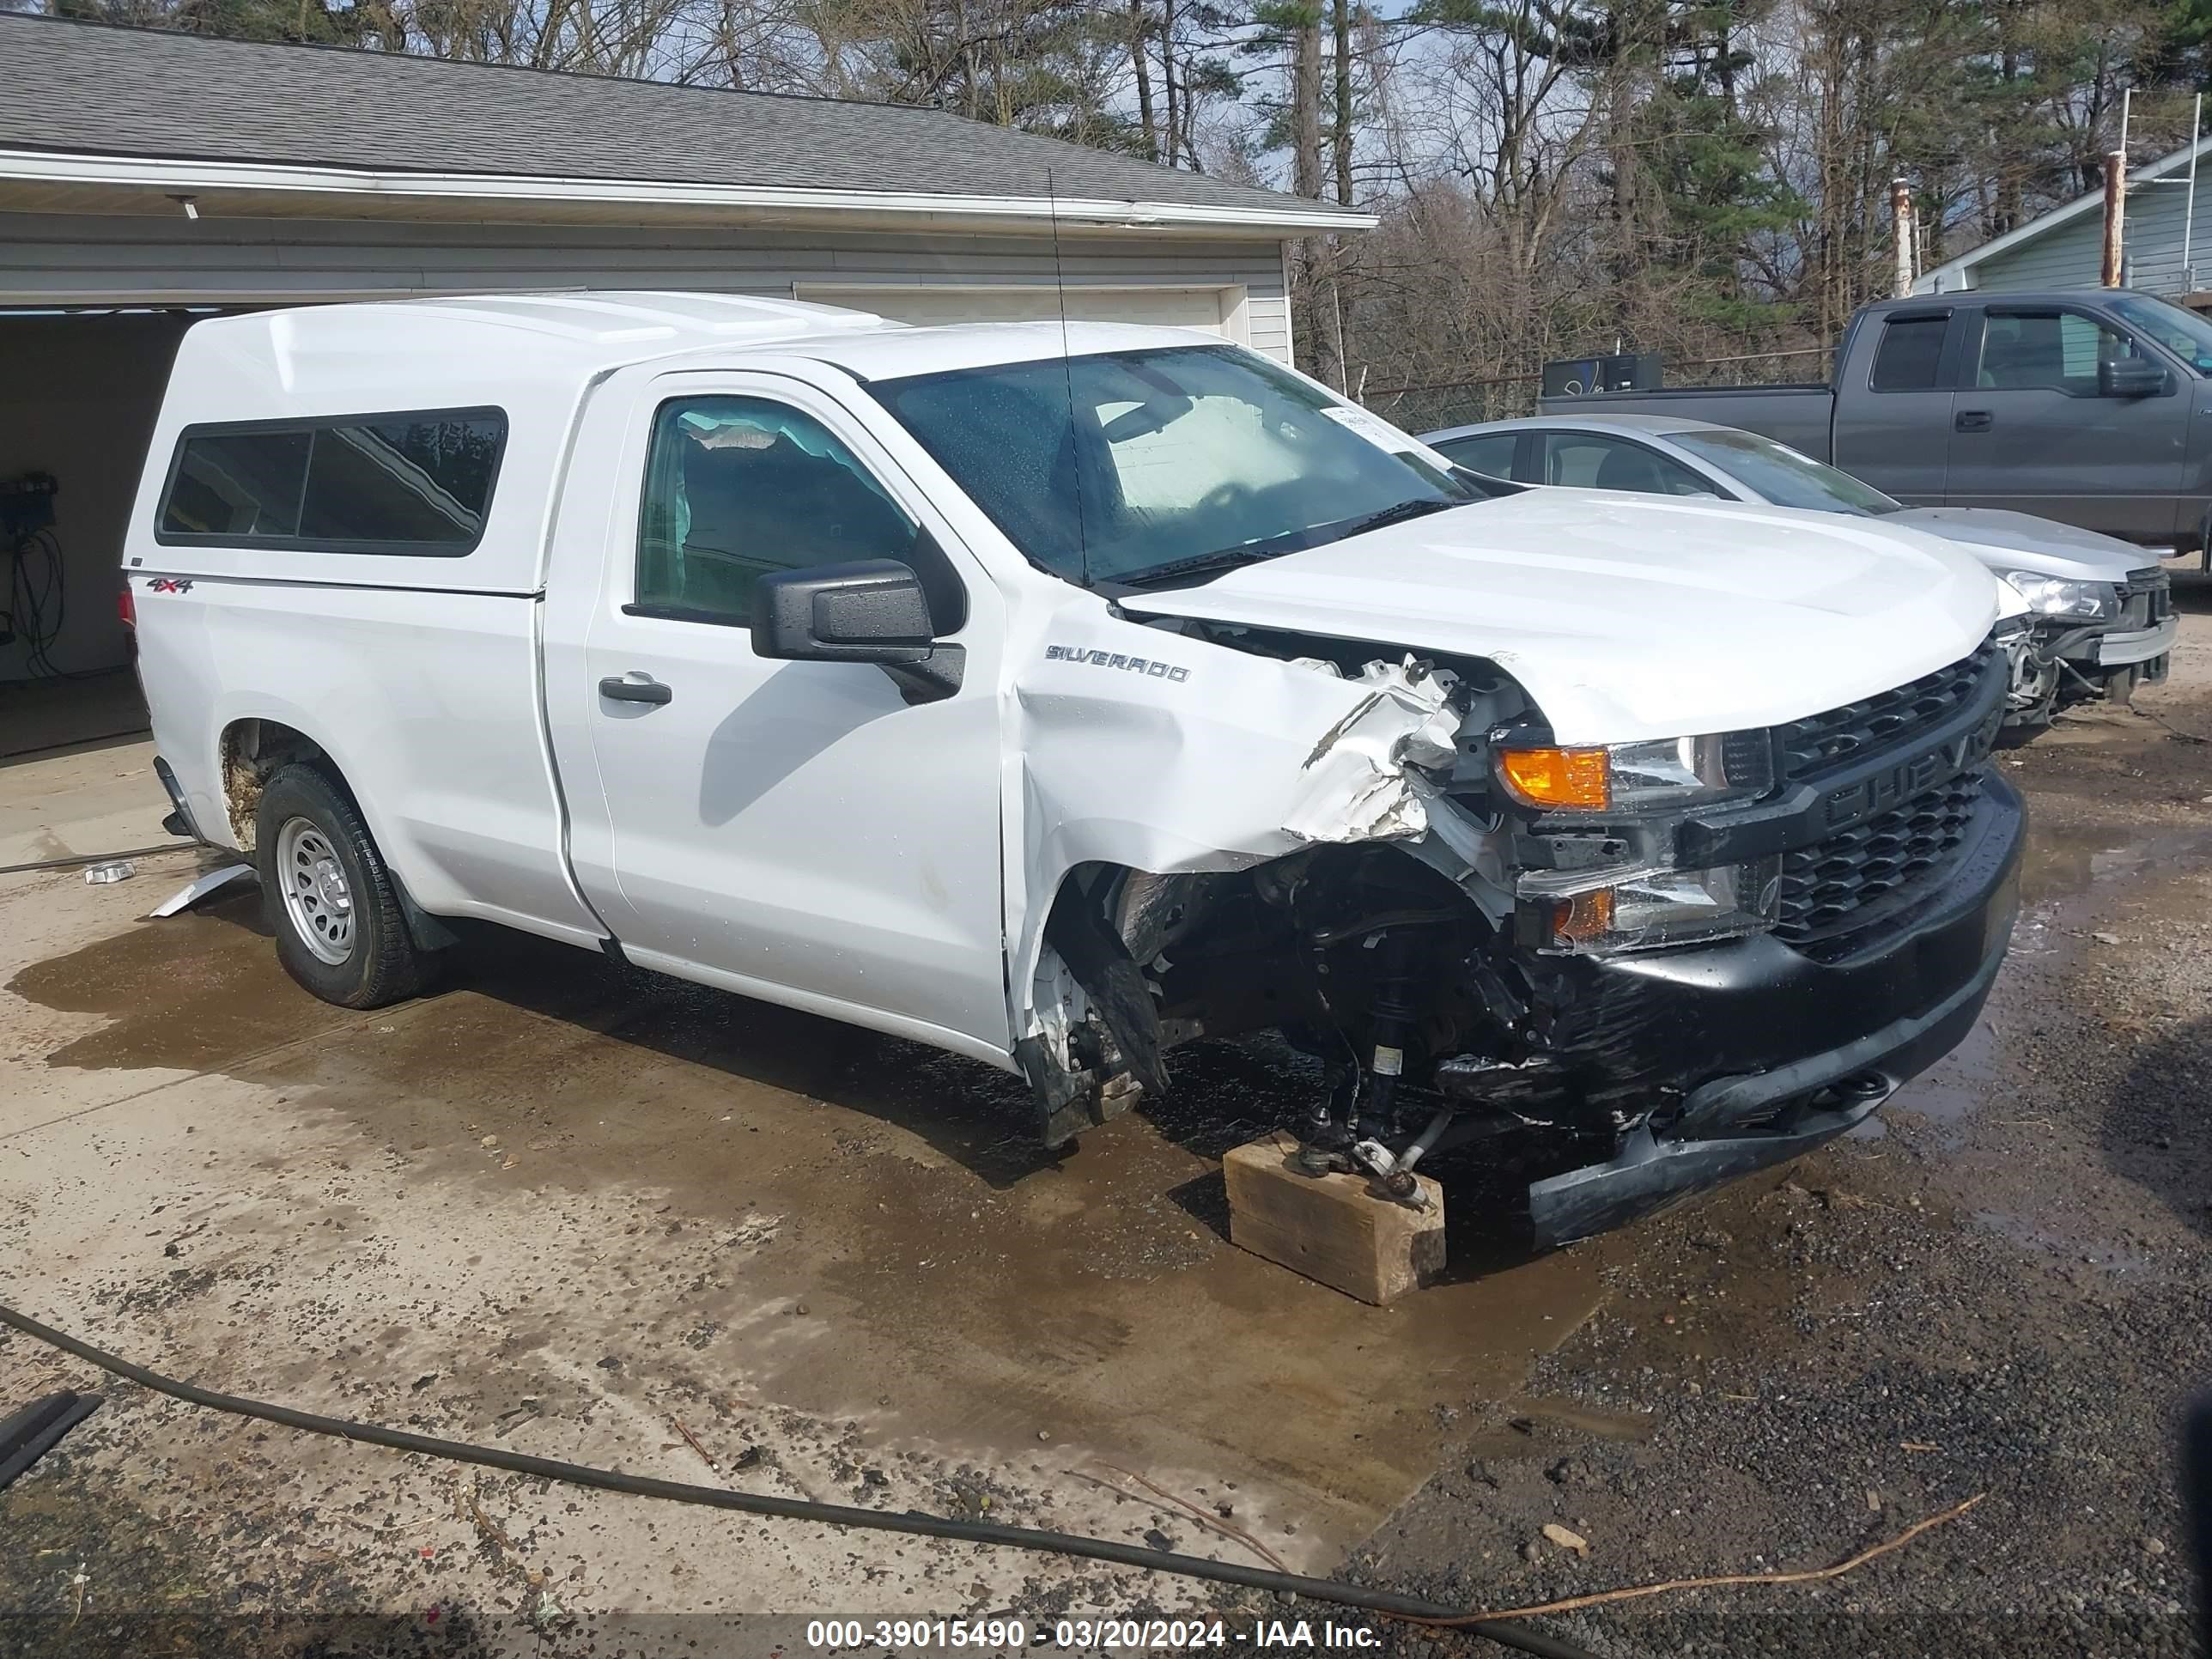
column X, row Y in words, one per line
column 1799, row 416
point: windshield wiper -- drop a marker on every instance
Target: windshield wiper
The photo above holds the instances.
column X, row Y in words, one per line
column 1418, row 508
column 1202, row 564
column 1294, row 541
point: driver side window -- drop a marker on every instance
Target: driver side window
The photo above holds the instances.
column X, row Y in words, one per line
column 737, row 487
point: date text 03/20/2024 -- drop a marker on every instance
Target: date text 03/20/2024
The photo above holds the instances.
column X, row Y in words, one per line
column 1008, row 1636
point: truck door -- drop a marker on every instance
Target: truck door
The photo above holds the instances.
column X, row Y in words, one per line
column 796, row 830
column 1893, row 405
column 2031, row 431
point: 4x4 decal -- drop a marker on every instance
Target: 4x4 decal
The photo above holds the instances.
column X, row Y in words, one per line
column 168, row 584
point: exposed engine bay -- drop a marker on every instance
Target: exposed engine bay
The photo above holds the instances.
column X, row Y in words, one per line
column 1671, row 960
column 2060, row 663
column 1386, row 949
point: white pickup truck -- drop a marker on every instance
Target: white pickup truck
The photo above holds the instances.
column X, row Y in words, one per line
column 1057, row 695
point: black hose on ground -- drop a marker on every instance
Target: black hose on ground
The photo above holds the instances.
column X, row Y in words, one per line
column 1518, row 1638
column 75, row 859
column 73, row 743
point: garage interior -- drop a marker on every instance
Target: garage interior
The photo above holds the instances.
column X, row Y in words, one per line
column 78, row 398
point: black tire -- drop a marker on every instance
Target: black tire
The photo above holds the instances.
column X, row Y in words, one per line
column 307, row 821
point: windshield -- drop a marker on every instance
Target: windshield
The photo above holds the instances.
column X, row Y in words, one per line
column 1777, row 473
column 2183, row 333
column 1139, row 466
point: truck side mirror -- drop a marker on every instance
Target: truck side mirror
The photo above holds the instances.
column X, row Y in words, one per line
column 872, row 610
column 2130, row 377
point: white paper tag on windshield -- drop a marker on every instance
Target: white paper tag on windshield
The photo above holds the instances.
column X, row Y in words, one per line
column 1380, row 432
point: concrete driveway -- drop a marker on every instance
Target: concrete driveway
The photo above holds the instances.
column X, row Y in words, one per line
column 588, row 1213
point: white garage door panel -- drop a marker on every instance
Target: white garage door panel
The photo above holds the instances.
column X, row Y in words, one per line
column 1168, row 308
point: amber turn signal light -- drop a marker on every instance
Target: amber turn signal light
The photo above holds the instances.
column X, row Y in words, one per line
column 1584, row 917
column 1556, row 778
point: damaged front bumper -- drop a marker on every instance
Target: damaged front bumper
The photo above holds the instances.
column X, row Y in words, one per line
column 2123, row 647
column 1790, row 1051
column 2133, row 645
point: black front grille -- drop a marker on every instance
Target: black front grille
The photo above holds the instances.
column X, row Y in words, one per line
column 2148, row 599
column 1833, row 887
column 1887, row 720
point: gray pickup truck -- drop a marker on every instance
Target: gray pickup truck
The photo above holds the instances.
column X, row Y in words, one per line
column 2092, row 406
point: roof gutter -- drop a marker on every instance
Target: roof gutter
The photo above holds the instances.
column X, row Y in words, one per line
column 200, row 177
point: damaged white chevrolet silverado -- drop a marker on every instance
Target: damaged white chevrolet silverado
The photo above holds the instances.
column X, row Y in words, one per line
column 1056, row 695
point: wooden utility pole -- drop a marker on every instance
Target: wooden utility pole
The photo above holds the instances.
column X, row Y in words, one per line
column 2116, row 214
column 2116, row 201
column 1901, row 212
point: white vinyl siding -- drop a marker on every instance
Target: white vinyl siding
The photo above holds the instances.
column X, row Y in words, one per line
column 2071, row 255
column 131, row 259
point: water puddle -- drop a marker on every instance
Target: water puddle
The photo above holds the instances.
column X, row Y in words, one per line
column 959, row 1281
column 2062, row 861
column 2041, row 1239
column 189, row 992
column 1952, row 1090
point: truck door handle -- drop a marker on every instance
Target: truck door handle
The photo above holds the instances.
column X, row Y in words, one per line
column 1974, row 420
column 643, row 689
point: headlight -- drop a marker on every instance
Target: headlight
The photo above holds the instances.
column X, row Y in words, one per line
column 1653, row 908
column 2050, row 596
column 1640, row 777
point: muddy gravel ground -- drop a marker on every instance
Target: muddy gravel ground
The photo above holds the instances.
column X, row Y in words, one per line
column 2006, row 1293
column 594, row 1216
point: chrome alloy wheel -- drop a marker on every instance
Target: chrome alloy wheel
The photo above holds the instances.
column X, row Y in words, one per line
column 317, row 900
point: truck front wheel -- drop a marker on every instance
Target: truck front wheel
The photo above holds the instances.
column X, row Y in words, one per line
column 327, row 897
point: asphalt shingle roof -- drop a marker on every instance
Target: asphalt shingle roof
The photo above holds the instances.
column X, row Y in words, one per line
column 88, row 89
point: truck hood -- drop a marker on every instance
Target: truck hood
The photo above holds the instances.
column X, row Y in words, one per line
column 1631, row 617
column 2005, row 540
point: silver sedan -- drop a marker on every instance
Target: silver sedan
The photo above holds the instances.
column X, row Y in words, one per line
column 2104, row 622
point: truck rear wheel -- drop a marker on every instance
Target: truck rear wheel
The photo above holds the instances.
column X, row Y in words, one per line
column 327, row 897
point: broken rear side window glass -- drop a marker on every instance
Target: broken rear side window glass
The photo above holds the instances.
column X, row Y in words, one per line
column 416, row 482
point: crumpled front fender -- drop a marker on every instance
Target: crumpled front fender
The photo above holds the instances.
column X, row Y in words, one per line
column 1155, row 751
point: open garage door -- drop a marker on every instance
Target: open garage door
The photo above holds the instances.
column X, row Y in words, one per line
column 79, row 388
column 1217, row 310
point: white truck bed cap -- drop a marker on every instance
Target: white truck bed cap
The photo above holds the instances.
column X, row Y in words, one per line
column 570, row 332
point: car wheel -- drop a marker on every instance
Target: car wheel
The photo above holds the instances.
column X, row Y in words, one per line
column 327, row 896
